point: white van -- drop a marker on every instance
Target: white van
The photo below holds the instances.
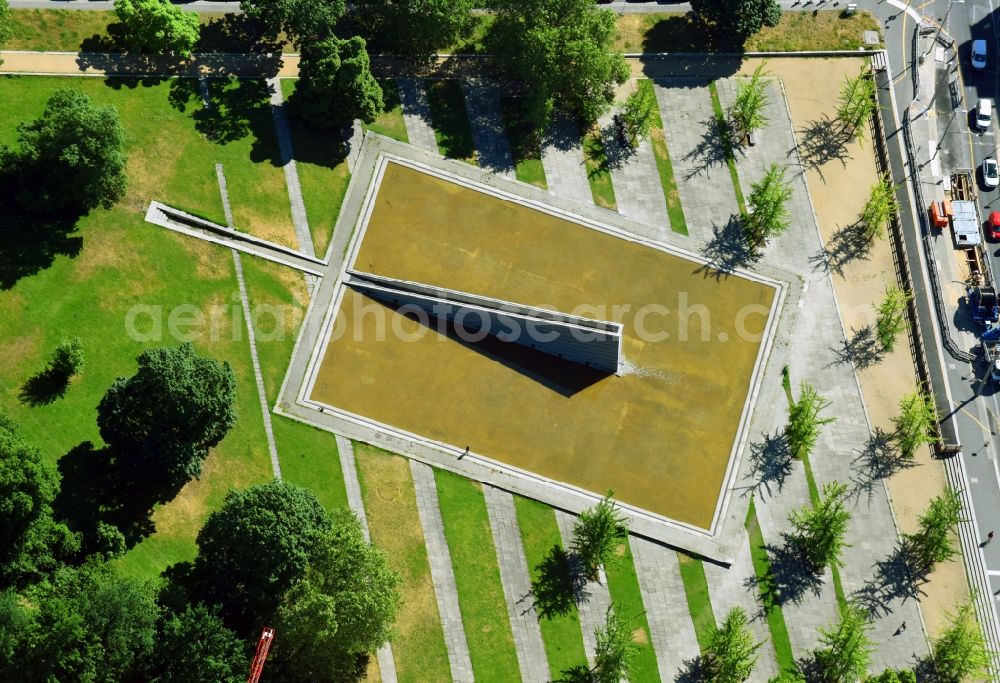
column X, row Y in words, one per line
column 978, row 54
column 984, row 114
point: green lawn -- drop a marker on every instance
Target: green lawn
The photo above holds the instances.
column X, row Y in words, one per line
column 321, row 161
column 390, row 503
column 477, row 576
column 450, row 120
column 627, row 596
column 598, row 175
column 560, row 632
column 698, row 600
column 389, row 122
column 658, row 140
column 524, row 143
column 723, row 128
column 124, row 264
column 762, row 569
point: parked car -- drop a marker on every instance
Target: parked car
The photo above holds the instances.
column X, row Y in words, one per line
column 978, row 54
column 991, row 174
column 993, row 227
column 984, row 114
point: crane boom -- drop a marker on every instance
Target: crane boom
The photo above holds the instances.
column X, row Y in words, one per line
column 263, row 646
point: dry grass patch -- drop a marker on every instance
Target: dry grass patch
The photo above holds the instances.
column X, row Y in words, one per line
column 391, row 506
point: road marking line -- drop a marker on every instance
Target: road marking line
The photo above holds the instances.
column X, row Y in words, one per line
column 993, row 572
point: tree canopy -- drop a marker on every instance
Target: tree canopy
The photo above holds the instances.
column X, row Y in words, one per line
column 732, row 651
column 562, row 51
column 596, row 534
column 820, row 529
column 739, row 18
column 6, row 23
column 71, row 158
column 934, row 540
column 846, row 647
column 254, row 548
column 162, row 421
column 341, row 610
column 417, row 28
column 90, row 623
column 158, row 26
column 301, row 20
column 194, row 646
column 768, row 203
column 960, row 652
column 335, row 83
column 31, row 543
column 614, row 649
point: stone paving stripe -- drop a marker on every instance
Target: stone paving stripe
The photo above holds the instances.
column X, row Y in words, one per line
column 482, row 102
column 703, row 181
column 596, row 598
column 636, row 180
column 516, row 580
column 562, row 159
column 303, row 236
column 258, row 378
column 442, row 573
column 417, row 114
column 670, row 626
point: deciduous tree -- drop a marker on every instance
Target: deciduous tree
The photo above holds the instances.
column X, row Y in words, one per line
column 162, row 421
column 732, row 651
column 158, row 26
column 846, row 647
column 894, row 676
column 747, row 112
column 891, row 320
column 739, row 18
column 820, row 529
column 253, row 549
column 916, row 423
column 614, row 650
column 67, row 359
column 804, row 421
column 335, row 83
column 561, row 50
column 6, row 23
column 960, row 652
column 301, row 20
column 856, row 102
column 596, row 534
column 194, row 646
column 70, row 158
column 417, row 28
column 768, row 203
column 879, row 208
column 637, row 115
column 341, row 611
column 934, row 540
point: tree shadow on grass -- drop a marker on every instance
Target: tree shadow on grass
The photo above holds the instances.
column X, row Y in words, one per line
column 823, row 141
column 727, row 250
column 29, row 242
column 894, row 579
column 93, row 490
column 791, row 575
column 687, row 33
column 850, row 243
column 771, row 461
column 235, row 33
column 862, row 350
column 560, row 584
column 44, row 387
column 326, row 147
column 237, row 108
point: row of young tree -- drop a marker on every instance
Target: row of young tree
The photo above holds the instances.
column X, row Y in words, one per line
column 271, row 556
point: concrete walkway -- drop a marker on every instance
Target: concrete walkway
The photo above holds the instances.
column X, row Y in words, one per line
column 562, row 159
column 442, row 574
column 816, row 336
column 482, row 102
column 636, row 180
column 516, row 580
column 417, row 114
column 703, row 181
column 348, row 465
column 735, row 587
column 595, row 600
column 670, row 627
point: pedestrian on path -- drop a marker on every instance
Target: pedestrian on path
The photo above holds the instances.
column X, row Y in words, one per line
column 465, row 453
column 989, row 537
